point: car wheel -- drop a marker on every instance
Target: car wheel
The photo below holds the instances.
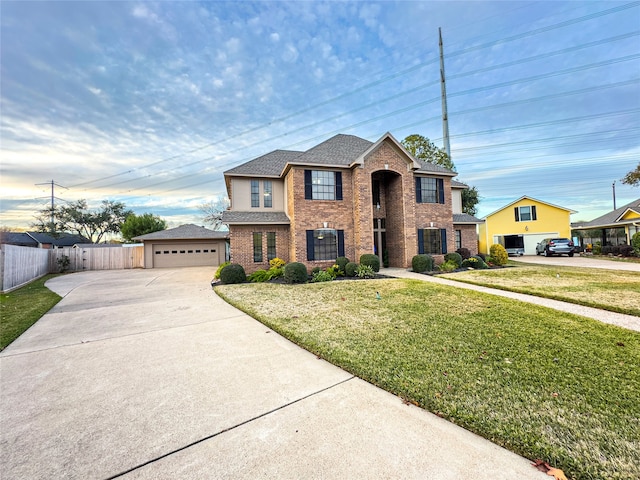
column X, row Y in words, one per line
column 547, row 253
column 571, row 254
column 537, row 252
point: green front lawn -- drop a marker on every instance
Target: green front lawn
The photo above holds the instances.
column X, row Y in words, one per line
column 23, row 307
column 542, row 383
column 614, row 290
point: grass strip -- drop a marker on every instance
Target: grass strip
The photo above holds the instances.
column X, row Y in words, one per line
column 23, row 307
column 542, row 383
column 613, row 290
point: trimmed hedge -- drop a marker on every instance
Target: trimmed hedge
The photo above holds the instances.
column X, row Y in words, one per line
column 498, row 254
column 295, row 272
column 342, row 263
column 350, row 269
column 370, row 260
column 233, row 273
column 422, row 263
column 454, row 257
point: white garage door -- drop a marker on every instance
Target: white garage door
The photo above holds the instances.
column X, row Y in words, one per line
column 530, row 241
column 186, row 255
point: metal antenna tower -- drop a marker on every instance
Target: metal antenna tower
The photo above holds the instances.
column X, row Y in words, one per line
column 443, row 88
column 53, row 200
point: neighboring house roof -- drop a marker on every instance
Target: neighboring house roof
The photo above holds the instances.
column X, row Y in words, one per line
column 240, row 218
column 18, row 238
column 96, row 245
column 185, row 232
column 615, row 217
column 457, row 184
column 341, row 151
column 460, row 218
column 533, row 200
column 59, row 240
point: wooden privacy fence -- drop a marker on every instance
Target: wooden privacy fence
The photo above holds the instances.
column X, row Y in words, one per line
column 20, row 265
column 107, row 258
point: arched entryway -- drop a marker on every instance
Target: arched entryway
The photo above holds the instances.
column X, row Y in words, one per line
column 388, row 217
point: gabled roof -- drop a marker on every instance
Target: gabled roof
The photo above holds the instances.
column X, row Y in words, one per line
column 461, row 218
column 18, row 238
column 342, row 151
column 615, row 217
column 250, row 218
column 531, row 199
column 457, row 184
column 184, row 232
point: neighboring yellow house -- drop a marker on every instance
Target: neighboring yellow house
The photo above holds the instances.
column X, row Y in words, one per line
column 521, row 225
column 626, row 217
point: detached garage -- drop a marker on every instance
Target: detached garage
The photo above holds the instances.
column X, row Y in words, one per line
column 184, row 246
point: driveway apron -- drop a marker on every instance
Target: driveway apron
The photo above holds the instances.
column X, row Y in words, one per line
column 147, row 374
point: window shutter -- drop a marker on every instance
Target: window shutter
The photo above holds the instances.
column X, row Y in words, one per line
column 308, row 192
column 420, row 240
column 310, row 249
column 338, row 185
column 517, row 212
column 533, row 213
column 418, row 190
column 440, row 186
column 341, row 243
column 443, row 240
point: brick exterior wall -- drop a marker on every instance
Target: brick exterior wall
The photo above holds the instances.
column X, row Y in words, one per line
column 355, row 214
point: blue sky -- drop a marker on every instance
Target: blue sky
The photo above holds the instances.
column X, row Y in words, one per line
column 149, row 103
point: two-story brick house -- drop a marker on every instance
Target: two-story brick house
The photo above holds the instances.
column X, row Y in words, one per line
column 344, row 197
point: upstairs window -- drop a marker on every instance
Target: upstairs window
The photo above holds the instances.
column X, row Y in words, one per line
column 255, row 193
column 268, row 193
column 429, row 190
column 322, row 185
column 525, row 214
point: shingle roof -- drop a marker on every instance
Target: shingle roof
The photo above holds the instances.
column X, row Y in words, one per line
column 235, row 218
column 465, row 218
column 184, row 232
column 457, row 184
column 433, row 168
column 59, row 240
column 18, row 238
column 612, row 217
column 270, row 164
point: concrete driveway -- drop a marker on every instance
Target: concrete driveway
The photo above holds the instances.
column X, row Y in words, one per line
column 147, row 374
column 579, row 261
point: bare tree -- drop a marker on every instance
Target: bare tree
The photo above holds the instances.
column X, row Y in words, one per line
column 213, row 211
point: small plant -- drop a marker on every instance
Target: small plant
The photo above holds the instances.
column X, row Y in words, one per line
column 275, row 272
column 454, row 257
column 295, row 272
column 342, row 263
column 322, row 276
column 277, row 263
column 63, row 263
column 350, row 269
column 335, row 271
column 315, row 270
column 449, row 266
column 635, row 243
column 474, row 262
column 258, row 276
column 233, row 273
column 222, row 265
column 371, row 260
column 482, row 264
column 365, row 271
column 464, row 252
column 422, row 263
column 498, row 254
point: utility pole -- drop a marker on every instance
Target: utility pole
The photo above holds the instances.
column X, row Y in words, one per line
column 614, row 194
column 443, row 88
column 53, row 200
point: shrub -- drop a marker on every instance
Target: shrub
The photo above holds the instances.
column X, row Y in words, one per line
column 482, row 257
column 277, row 263
column 342, row 263
column 449, row 266
column 371, row 260
column 365, row 271
column 334, row 271
column 322, row 277
column 315, row 270
column 295, row 272
column 222, row 265
column 422, row 263
column 275, row 272
column 498, row 254
column 597, row 249
column 350, row 269
column 481, row 261
column 454, row 257
column 63, row 263
column 474, row 262
column 258, row 276
column 635, row 243
column 233, row 273
column 464, row 253
column 626, row 250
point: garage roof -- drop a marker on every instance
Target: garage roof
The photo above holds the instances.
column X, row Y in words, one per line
column 185, row 232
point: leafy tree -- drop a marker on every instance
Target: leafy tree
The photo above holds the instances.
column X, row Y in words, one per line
column 76, row 217
column 213, row 211
column 470, row 198
column 422, row 148
column 633, row 177
column 136, row 225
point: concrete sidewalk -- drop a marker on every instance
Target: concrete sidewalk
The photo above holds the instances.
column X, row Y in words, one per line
column 147, row 374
